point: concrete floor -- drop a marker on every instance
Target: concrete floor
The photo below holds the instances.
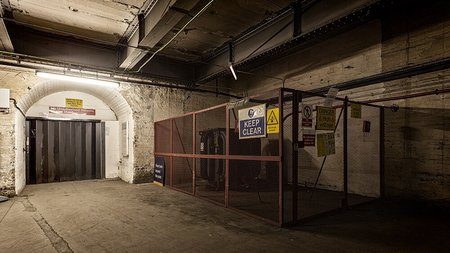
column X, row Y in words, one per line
column 113, row 216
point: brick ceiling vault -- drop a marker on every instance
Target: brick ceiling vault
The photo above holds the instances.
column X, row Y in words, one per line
column 109, row 96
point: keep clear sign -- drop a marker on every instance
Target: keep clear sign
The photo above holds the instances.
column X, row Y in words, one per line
column 252, row 122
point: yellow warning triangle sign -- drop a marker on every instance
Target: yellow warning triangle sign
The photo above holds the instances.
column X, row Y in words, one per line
column 272, row 118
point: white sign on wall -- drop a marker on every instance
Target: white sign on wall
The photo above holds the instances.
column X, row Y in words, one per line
column 124, row 138
column 4, row 98
column 252, row 122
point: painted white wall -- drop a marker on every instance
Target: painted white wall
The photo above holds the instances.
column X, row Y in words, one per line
column 126, row 171
column 112, row 149
column 20, row 170
column 41, row 108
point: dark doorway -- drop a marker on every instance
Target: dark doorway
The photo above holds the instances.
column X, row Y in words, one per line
column 64, row 150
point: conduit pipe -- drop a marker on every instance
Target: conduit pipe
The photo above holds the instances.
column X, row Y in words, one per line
column 39, row 64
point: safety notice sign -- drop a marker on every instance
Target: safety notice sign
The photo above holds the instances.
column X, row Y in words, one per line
column 326, row 118
column 309, row 140
column 65, row 110
column 325, row 144
column 252, row 122
column 356, row 110
column 307, row 116
column 273, row 121
column 74, row 103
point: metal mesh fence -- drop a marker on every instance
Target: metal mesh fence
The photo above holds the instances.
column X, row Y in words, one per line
column 182, row 134
column 211, row 132
column 162, row 136
column 254, row 188
column 182, row 173
column 210, row 179
column 288, row 155
column 319, row 159
column 363, row 153
column 321, row 172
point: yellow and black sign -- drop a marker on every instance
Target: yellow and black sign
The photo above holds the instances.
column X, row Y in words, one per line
column 326, row 118
column 273, row 121
column 356, row 110
column 325, row 144
column 74, row 103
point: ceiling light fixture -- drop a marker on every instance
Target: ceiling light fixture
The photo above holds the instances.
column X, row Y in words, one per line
column 231, row 60
column 78, row 79
column 232, row 71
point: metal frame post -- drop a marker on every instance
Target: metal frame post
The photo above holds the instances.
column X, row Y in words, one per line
column 171, row 151
column 155, row 135
column 194, row 151
column 345, row 148
column 295, row 146
column 280, row 163
column 227, row 156
column 382, row 168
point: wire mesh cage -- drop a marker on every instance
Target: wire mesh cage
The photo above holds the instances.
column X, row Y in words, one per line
column 318, row 154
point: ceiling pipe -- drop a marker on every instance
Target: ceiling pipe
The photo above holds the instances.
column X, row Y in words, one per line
column 176, row 35
column 39, row 64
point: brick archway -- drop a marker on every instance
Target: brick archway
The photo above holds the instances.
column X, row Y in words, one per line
column 110, row 96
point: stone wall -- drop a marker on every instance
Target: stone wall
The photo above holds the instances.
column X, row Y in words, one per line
column 417, row 137
column 147, row 105
column 7, row 146
column 152, row 104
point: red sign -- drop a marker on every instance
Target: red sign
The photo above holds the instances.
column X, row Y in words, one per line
column 307, row 116
column 309, row 140
column 65, row 110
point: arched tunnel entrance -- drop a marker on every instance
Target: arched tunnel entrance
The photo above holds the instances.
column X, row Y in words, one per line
column 71, row 131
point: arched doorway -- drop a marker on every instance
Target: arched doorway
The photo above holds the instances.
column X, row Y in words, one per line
column 109, row 96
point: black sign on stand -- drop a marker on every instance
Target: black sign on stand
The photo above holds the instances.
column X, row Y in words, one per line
column 160, row 169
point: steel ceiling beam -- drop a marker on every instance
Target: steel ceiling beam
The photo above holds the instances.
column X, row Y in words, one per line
column 78, row 52
column 5, row 40
column 157, row 23
column 340, row 16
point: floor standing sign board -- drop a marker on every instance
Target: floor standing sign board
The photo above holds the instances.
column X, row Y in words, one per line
column 252, row 122
column 159, row 171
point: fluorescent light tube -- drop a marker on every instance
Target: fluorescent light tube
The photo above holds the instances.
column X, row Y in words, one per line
column 232, row 71
column 78, row 79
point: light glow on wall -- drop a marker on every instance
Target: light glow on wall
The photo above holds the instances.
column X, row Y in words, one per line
column 75, row 79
